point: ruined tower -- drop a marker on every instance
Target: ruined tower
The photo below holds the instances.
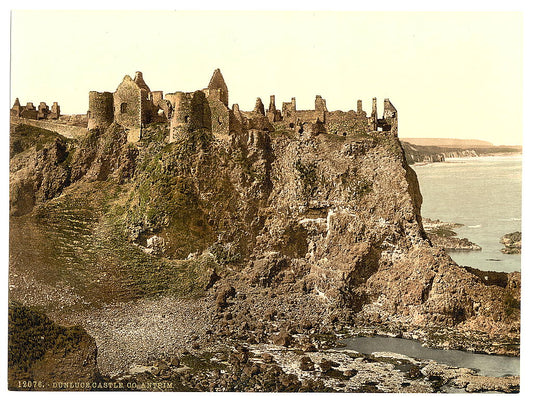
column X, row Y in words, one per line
column 273, row 114
column 390, row 115
column 320, row 104
column 259, row 107
column 16, row 109
column 132, row 106
column 55, row 111
column 100, row 114
column 217, row 88
column 190, row 112
column 29, row 111
column 389, row 122
column 288, row 110
column 42, row 110
column 360, row 108
column 320, row 108
column 374, row 115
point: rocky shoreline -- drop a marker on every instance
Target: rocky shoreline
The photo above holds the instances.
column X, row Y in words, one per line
column 442, row 235
column 253, row 356
column 249, row 339
column 273, row 368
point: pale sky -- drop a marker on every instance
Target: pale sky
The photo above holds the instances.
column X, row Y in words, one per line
column 449, row 74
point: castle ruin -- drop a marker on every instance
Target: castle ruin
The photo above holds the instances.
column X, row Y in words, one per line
column 133, row 106
column 30, row 112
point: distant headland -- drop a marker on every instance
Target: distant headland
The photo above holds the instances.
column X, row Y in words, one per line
column 432, row 150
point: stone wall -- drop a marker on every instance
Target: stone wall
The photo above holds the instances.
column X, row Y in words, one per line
column 346, row 123
column 308, row 116
column 73, row 120
column 100, row 114
column 220, row 118
column 71, row 132
column 217, row 88
column 191, row 112
column 128, row 104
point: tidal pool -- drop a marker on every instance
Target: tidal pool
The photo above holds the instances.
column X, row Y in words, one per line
column 486, row 365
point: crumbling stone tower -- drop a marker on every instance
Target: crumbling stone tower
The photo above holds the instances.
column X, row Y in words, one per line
column 55, row 111
column 100, row 114
column 190, row 112
column 42, row 111
column 389, row 122
column 16, row 109
column 217, row 88
column 29, row 111
column 273, row 114
column 131, row 105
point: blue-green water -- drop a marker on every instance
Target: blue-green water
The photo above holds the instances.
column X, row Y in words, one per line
column 484, row 194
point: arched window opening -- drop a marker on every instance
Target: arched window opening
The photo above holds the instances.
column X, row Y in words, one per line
column 123, row 108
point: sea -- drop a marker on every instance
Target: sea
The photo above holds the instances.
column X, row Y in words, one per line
column 484, row 194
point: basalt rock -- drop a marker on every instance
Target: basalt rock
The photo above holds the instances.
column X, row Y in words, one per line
column 512, row 243
column 38, row 168
column 319, row 224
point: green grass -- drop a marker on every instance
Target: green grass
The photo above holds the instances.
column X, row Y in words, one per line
column 85, row 245
column 31, row 334
column 24, row 137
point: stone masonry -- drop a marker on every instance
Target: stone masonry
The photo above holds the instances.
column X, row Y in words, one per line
column 133, row 106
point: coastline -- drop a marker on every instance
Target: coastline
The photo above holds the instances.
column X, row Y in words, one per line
column 469, row 158
column 484, row 194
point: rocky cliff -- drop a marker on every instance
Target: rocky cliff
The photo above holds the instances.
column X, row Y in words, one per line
column 289, row 222
column 422, row 153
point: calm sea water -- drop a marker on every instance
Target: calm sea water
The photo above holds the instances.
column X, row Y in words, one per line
column 487, row 365
column 484, row 194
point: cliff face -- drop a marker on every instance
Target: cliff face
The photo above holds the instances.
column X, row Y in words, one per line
column 341, row 209
column 416, row 153
column 434, row 154
column 38, row 168
column 326, row 216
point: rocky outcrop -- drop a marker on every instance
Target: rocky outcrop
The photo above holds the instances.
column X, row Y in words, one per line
column 305, row 231
column 38, row 168
column 103, row 155
column 512, row 243
column 442, row 235
column 426, row 288
column 43, row 163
